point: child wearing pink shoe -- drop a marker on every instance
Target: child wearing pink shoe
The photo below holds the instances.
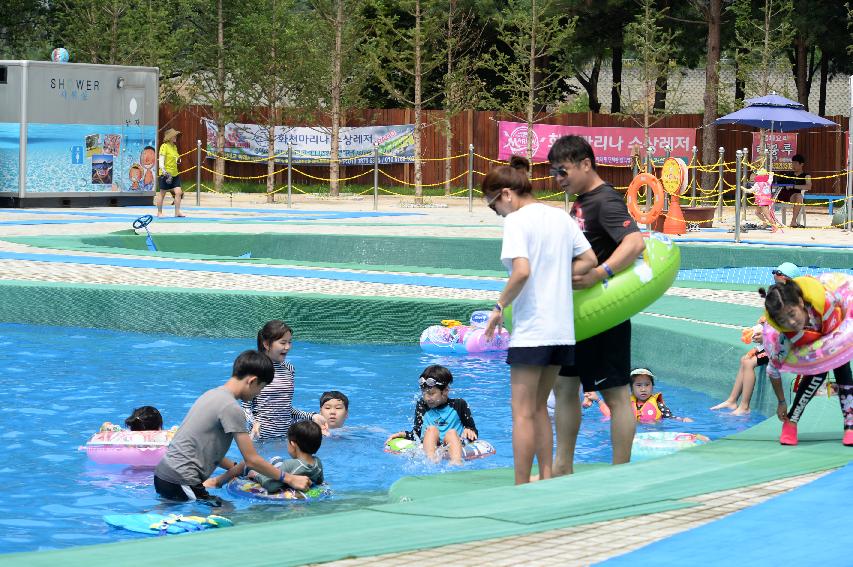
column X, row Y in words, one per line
column 803, row 311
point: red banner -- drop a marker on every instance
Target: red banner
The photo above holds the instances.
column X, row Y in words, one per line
column 781, row 146
column 611, row 145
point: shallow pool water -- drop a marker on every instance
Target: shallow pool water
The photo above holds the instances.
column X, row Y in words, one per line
column 62, row 383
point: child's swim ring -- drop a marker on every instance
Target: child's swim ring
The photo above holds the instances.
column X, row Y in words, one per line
column 471, row 450
column 659, row 443
column 602, row 307
column 828, row 352
column 248, row 488
column 124, row 447
column 452, row 337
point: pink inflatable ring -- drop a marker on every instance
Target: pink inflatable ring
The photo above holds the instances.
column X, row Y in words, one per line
column 135, row 448
column 828, row 352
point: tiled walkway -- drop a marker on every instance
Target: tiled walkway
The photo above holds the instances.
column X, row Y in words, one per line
column 590, row 543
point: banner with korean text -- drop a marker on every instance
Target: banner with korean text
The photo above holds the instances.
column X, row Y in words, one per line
column 312, row 145
column 782, row 146
column 611, row 145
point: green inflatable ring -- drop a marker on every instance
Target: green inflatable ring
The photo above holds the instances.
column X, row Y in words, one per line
column 627, row 293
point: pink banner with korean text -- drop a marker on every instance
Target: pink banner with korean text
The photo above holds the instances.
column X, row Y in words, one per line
column 782, row 146
column 612, row 146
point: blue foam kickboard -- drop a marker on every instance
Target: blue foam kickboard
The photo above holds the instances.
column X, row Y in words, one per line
column 807, row 526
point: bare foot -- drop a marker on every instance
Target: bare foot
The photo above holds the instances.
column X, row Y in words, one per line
column 534, row 478
column 159, row 215
column 741, row 411
column 725, row 405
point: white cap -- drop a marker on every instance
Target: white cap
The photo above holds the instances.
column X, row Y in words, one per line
column 638, row 371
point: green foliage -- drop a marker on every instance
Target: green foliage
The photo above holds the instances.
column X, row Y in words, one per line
column 25, row 30
column 399, row 50
column 763, row 31
column 654, row 47
column 530, row 61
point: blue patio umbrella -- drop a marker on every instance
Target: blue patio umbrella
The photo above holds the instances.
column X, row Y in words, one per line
column 775, row 113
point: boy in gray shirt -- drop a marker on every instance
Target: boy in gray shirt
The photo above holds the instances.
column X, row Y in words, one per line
column 213, row 422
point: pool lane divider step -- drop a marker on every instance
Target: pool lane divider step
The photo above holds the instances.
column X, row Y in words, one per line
column 249, row 269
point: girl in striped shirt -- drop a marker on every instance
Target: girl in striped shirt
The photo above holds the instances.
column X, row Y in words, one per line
column 271, row 413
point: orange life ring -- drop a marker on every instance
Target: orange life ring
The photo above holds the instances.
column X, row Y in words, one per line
column 641, row 216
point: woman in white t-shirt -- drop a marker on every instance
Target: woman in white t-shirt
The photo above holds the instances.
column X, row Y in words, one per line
column 542, row 246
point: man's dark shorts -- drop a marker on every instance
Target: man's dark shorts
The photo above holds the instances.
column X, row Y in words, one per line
column 180, row 493
column 603, row 361
column 551, row 355
column 169, row 186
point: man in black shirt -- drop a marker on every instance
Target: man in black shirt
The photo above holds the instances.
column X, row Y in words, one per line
column 602, row 362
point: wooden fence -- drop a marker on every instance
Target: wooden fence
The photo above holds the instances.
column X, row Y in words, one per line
column 824, row 148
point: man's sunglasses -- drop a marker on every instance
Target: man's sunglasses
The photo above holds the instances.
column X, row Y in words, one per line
column 430, row 383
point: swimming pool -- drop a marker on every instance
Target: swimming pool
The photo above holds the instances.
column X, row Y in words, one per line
column 62, row 383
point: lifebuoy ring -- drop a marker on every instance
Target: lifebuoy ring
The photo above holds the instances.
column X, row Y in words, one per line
column 645, row 217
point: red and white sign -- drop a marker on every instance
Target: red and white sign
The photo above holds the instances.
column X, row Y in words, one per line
column 611, row 145
column 781, row 145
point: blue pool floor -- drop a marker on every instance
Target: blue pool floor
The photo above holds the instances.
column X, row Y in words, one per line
column 62, row 383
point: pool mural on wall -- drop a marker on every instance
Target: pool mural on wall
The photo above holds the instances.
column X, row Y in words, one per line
column 77, row 128
column 90, row 157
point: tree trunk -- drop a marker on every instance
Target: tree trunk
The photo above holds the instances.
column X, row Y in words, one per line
column 219, row 168
column 712, row 87
column 417, row 133
column 801, row 69
column 337, row 79
column 590, row 84
column 531, row 81
column 448, row 132
column 660, row 93
column 740, row 85
column 616, row 74
column 273, row 115
column 824, row 77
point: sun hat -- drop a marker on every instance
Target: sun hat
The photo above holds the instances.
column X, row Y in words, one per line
column 170, row 135
column 787, row 269
column 639, row 371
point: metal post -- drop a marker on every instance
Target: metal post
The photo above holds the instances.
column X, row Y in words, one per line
column 667, row 150
column 198, row 173
column 738, row 158
column 721, row 152
column 470, row 178
column 848, row 204
column 289, row 175
column 650, row 168
column 692, row 173
column 375, row 177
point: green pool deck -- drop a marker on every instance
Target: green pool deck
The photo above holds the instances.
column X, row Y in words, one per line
column 693, row 332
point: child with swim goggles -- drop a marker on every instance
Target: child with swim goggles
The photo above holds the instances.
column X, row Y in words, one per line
column 648, row 405
column 440, row 420
column 804, row 311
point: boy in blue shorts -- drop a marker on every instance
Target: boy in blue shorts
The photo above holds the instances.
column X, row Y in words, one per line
column 205, row 435
column 442, row 420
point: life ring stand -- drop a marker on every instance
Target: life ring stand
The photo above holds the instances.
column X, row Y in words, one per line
column 641, row 216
